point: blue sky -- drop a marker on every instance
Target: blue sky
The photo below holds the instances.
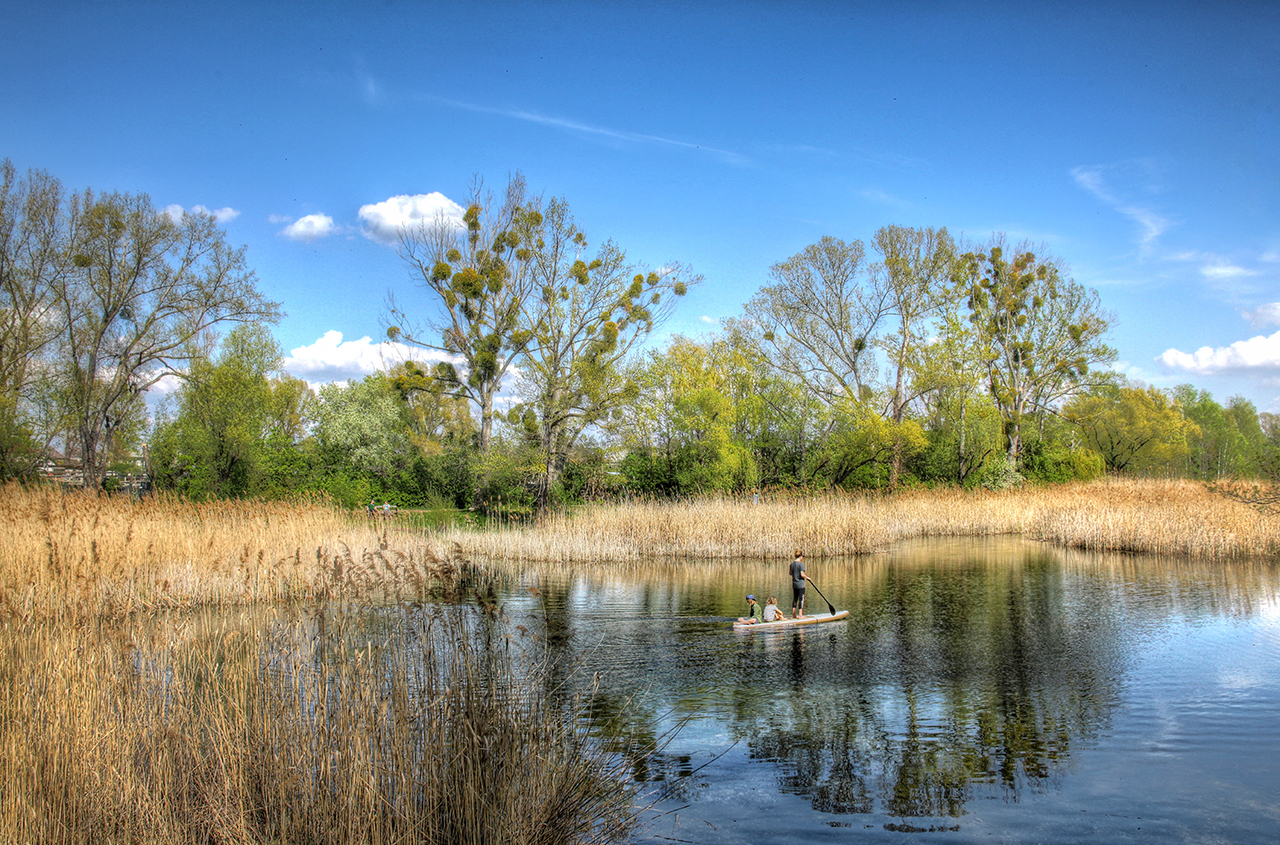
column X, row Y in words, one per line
column 1138, row 141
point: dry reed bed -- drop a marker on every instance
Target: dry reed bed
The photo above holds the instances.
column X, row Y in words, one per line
column 1160, row 517
column 83, row 555
column 254, row 730
column 69, row 552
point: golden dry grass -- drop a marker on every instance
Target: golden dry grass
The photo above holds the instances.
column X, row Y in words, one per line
column 1161, row 517
column 67, row 552
column 202, row 728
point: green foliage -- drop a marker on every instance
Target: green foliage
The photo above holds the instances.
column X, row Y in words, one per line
column 1057, row 463
column 361, row 427
column 860, row 447
column 1039, row 334
column 1000, row 472
column 228, row 411
column 505, row 482
column 1134, row 429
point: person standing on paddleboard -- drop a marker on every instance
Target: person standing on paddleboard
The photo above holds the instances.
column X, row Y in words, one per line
column 798, row 579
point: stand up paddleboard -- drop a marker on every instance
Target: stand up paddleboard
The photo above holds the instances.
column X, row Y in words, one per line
column 791, row 623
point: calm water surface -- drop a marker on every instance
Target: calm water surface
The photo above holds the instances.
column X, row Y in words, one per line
column 981, row 690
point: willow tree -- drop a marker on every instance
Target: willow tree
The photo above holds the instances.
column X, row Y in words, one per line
column 479, row 269
column 1135, row 428
column 1039, row 333
column 587, row 312
column 143, row 298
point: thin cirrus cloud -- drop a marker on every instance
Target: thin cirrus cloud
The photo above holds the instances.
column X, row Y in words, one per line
column 332, row 359
column 384, row 221
column 310, row 228
column 1264, row 315
column 576, row 127
column 1105, row 181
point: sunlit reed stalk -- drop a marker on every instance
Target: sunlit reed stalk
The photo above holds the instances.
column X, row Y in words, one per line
column 74, row 555
column 1160, row 517
column 69, row 554
column 256, row 730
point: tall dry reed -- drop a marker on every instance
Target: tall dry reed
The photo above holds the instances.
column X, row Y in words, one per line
column 69, row 553
column 247, row 729
column 1166, row 517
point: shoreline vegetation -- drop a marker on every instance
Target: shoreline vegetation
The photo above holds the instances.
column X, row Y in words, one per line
column 77, row 555
column 178, row 672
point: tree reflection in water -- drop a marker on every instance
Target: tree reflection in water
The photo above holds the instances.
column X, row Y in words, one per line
column 953, row 678
column 948, row 682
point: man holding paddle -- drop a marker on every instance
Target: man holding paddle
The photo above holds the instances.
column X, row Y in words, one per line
column 798, row 579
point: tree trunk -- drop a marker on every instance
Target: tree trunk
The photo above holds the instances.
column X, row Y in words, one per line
column 486, row 420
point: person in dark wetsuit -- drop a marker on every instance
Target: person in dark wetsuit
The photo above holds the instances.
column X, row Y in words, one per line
column 798, row 585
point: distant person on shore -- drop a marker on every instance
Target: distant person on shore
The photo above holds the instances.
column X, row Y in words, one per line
column 373, row 508
column 772, row 613
column 798, row 585
column 754, row 615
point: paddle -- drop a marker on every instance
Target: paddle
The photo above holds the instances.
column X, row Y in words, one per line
column 831, row 607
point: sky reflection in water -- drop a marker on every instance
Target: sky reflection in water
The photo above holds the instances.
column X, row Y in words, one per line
column 994, row 689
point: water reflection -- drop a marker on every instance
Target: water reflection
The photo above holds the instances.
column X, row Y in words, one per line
column 966, row 669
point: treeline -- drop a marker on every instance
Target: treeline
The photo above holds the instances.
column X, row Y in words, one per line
column 909, row 359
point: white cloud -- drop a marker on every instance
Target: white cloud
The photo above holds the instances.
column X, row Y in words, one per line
column 310, row 228
column 1102, row 181
column 332, row 359
column 384, row 220
column 222, row 215
column 1225, row 271
column 279, row 218
column 1256, row 355
column 1264, row 315
column 1269, row 257
column 712, row 320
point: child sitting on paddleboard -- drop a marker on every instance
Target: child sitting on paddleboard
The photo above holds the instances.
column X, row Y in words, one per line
column 753, row 609
column 772, row 613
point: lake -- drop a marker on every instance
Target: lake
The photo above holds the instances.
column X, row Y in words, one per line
column 993, row 690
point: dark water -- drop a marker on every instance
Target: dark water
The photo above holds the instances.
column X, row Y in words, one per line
column 981, row 690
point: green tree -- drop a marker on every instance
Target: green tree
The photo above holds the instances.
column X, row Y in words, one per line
column 361, row 427
column 1040, row 334
column 1229, row 442
column 588, row 313
column 950, row 376
column 230, row 415
column 1136, row 429
column 438, row 417
column 481, row 274
column 685, row 414
column 917, row 267
column 144, row 292
column 33, row 262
